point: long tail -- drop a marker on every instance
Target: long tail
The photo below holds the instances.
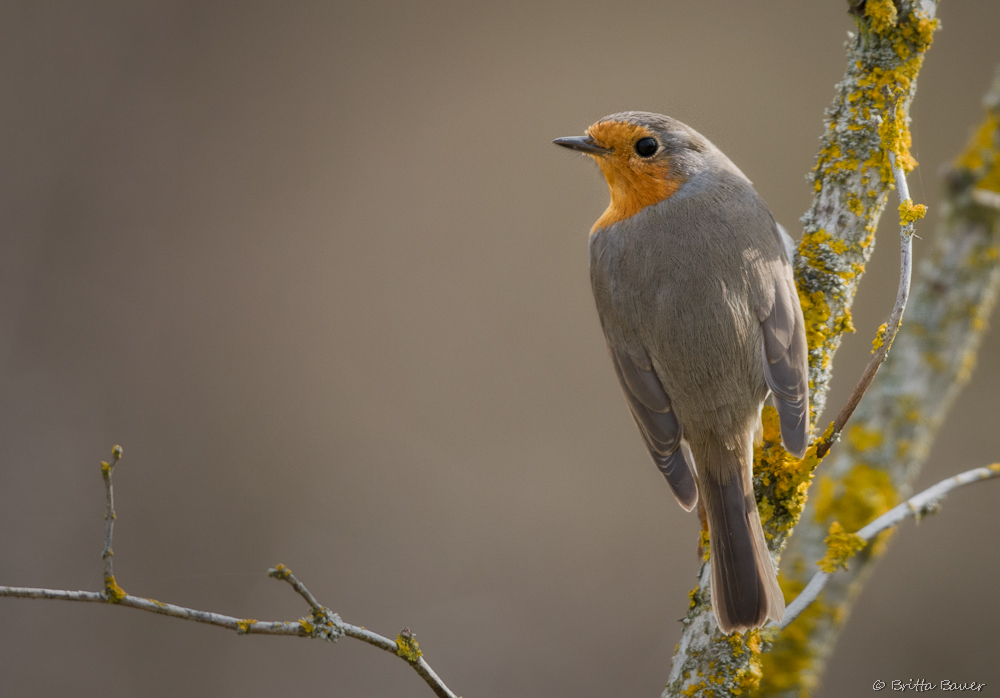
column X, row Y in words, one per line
column 745, row 589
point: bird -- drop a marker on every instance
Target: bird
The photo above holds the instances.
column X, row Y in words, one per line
column 695, row 293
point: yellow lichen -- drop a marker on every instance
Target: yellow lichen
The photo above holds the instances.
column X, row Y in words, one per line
column 840, row 547
column 112, row 591
column 862, row 495
column 977, row 322
column 881, row 14
column 980, row 149
column 934, row 361
column 408, row 648
column 816, row 312
column 983, row 256
column 909, row 37
column 854, row 204
column 243, row 626
column 105, row 468
column 863, row 439
column 893, row 132
column 787, row 476
column 765, row 509
column 786, row 666
column 981, row 155
column 879, row 337
column 747, row 677
column 919, row 30
column 910, row 212
column 694, row 689
column 748, row 641
column 814, row 248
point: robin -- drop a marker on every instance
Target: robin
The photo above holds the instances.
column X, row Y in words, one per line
column 696, row 298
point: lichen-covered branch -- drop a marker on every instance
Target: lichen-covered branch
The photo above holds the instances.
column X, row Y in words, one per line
column 853, row 174
column 842, row 545
column 895, row 425
column 840, row 539
column 909, row 213
column 321, row 622
column 851, row 179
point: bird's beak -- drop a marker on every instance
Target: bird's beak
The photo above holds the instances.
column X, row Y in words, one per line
column 585, row 144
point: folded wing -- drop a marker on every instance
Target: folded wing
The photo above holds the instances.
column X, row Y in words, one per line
column 658, row 425
column 786, row 363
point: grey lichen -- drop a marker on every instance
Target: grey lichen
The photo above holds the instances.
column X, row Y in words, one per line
column 323, row 624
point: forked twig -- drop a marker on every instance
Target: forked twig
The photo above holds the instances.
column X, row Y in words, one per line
column 322, row 623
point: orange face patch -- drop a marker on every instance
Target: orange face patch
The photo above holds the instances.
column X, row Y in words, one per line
column 635, row 182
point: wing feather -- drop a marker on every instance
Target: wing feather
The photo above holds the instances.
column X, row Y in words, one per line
column 786, row 363
column 657, row 422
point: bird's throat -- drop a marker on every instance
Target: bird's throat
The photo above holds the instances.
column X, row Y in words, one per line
column 633, row 188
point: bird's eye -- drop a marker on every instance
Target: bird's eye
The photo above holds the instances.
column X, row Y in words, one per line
column 646, row 147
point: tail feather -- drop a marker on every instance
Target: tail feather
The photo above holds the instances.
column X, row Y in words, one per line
column 745, row 591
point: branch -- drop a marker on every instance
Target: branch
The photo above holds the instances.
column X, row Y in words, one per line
column 933, row 356
column 917, row 506
column 908, row 215
column 321, row 623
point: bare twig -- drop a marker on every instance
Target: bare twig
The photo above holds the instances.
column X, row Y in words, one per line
column 321, row 623
column 917, row 506
column 112, row 591
column 886, row 336
column 282, row 572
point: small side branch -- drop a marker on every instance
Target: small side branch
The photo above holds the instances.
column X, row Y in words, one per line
column 112, row 591
column 322, row 623
column 282, row 572
column 917, row 506
column 909, row 213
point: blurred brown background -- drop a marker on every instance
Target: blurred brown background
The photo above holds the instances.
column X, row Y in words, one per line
column 318, row 269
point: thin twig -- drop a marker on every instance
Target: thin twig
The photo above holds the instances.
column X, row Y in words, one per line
column 111, row 589
column 902, row 295
column 282, row 572
column 322, row 623
column 917, row 506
